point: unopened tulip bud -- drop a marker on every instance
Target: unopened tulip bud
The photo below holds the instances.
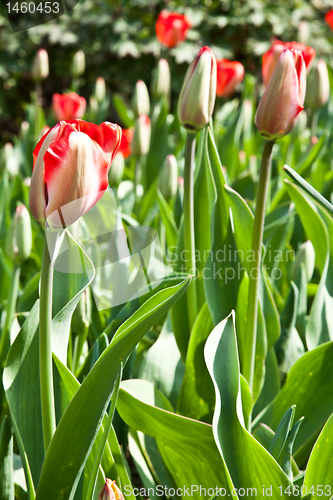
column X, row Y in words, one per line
column 141, row 137
column 9, row 159
column 141, row 101
column 82, row 313
column 78, row 64
column 303, row 32
column 24, row 129
column 110, row 491
column 161, row 80
column 283, row 98
column 117, row 169
column 168, row 180
column 318, row 86
column 100, row 89
column 197, row 97
column 40, row 67
column 305, row 255
column 19, row 236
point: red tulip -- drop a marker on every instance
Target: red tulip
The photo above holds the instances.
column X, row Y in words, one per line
column 125, row 143
column 229, row 75
column 171, row 28
column 329, row 18
column 68, row 106
column 71, row 164
column 283, row 99
column 271, row 57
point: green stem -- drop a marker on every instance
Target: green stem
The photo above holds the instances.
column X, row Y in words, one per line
column 254, row 278
column 189, row 239
column 45, row 349
column 102, row 444
column 314, row 123
column 10, row 310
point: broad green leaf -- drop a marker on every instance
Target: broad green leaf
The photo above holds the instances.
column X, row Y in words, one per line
column 6, row 461
column 179, row 439
column 302, row 165
column 308, row 188
column 74, row 436
column 249, row 464
column 285, row 459
column 309, row 386
column 319, row 470
column 289, row 347
column 318, row 329
column 162, row 364
column 196, row 397
column 281, row 435
column 21, row 383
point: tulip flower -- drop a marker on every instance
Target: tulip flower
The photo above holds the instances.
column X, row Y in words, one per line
column 329, row 18
column 40, row 67
column 19, row 236
column 78, row 63
column 141, row 101
column 229, row 75
column 168, row 179
column 270, row 58
column 68, row 106
column 141, row 136
column 125, row 143
column 171, row 28
column 110, row 491
column 197, row 97
column 117, row 169
column 71, row 164
column 161, row 80
column 283, row 99
column 318, row 86
column 100, row 89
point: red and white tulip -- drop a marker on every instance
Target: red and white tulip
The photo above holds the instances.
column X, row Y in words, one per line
column 283, row 100
column 71, row 164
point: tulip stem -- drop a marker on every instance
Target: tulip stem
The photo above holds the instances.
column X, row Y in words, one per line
column 254, row 278
column 189, row 238
column 10, row 310
column 102, row 444
column 45, row 348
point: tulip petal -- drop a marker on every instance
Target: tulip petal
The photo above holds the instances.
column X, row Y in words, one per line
column 75, row 177
column 108, row 136
column 37, row 199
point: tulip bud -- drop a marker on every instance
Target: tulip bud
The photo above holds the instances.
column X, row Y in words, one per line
column 197, row 97
column 24, row 129
column 141, row 101
column 161, row 80
column 305, row 255
column 100, row 89
column 82, row 313
column 318, row 86
column 283, row 99
column 303, row 32
column 117, row 169
column 141, row 137
column 110, row 491
column 329, row 18
column 19, row 236
column 78, row 64
column 168, row 180
column 10, row 160
column 40, row 67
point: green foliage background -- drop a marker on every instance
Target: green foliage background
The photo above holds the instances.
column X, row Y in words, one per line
column 118, row 38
